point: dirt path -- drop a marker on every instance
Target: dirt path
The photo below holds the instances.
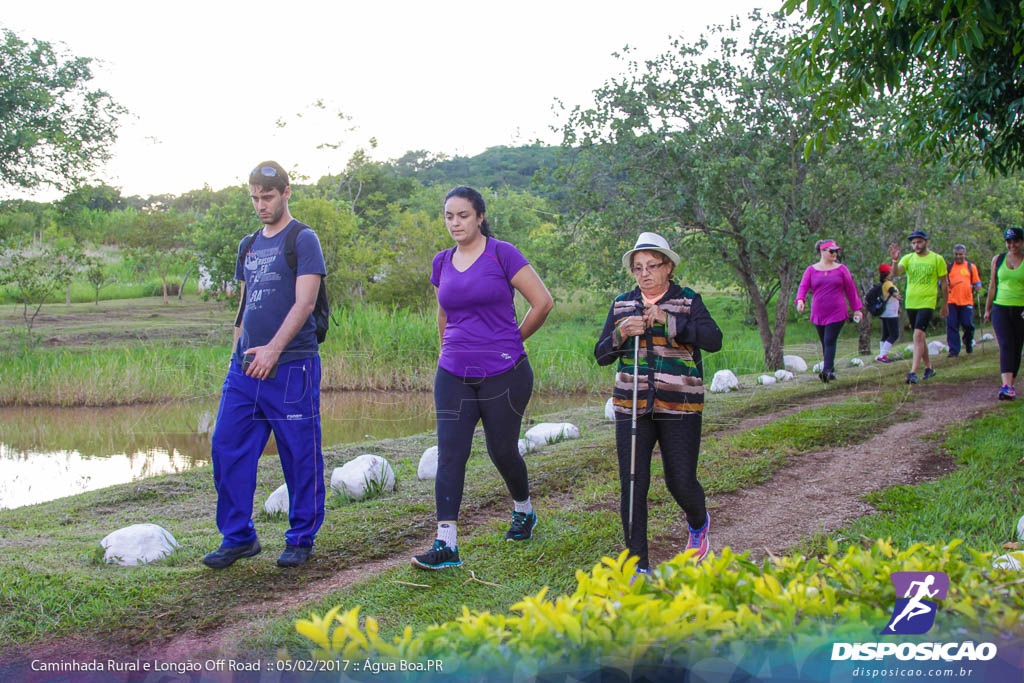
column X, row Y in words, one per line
column 816, row 492
column 820, row 491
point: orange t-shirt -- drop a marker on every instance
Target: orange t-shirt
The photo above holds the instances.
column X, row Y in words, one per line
column 961, row 281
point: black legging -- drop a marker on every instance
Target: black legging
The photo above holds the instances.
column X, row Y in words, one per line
column 1009, row 327
column 461, row 402
column 679, row 438
column 890, row 330
column 829, row 335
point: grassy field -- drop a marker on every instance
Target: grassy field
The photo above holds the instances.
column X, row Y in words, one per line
column 141, row 350
column 54, row 583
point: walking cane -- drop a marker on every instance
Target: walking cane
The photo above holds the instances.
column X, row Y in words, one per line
column 632, row 436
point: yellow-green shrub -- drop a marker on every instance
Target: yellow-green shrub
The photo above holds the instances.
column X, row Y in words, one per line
column 686, row 611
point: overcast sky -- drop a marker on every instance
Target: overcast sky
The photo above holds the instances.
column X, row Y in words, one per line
column 207, row 82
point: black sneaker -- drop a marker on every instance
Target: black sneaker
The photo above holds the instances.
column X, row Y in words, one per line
column 911, row 378
column 823, row 376
column 225, row 556
column 439, row 556
column 522, row 526
column 969, row 345
column 294, row 555
column 928, row 373
column 831, row 375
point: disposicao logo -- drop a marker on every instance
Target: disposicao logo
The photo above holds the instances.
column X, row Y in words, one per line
column 914, row 614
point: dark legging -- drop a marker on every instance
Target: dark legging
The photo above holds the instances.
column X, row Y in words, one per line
column 890, row 330
column 679, row 439
column 829, row 334
column 1009, row 327
column 461, row 402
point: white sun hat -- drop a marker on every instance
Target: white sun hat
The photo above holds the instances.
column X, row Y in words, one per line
column 650, row 241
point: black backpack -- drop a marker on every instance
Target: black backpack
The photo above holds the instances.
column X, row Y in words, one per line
column 874, row 302
column 322, row 309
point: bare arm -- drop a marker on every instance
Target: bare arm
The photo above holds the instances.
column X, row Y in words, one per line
column 306, row 288
column 529, row 284
column 442, row 322
column 945, row 296
column 238, row 318
column 991, row 291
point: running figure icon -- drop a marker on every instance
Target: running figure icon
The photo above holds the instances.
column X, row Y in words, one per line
column 915, row 607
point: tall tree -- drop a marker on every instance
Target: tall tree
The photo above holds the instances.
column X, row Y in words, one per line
column 704, row 145
column 54, row 129
column 954, row 67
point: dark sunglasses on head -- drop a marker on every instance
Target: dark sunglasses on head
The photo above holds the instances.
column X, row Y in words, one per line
column 268, row 171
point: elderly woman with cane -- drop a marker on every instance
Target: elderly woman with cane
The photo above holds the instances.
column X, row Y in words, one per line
column 656, row 332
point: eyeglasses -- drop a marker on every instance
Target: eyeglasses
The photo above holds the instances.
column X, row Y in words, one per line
column 639, row 270
column 268, row 171
column 833, row 251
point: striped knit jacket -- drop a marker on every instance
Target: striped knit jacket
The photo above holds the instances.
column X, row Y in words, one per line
column 669, row 353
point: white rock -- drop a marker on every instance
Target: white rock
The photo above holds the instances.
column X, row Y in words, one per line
column 909, row 348
column 428, row 464
column 1020, row 529
column 1013, row 561
column 856, row 363
column 352, row 478
column 277, row 501
column 987, row 337
column 935, row 348
column 766, row 379
column 550, row 432
column 783, row 375
column 794, row 363
column 138, row 544
column 609, row 411
column 723, row 381
column 206, row 422
column 526, row 447
column 818, row 367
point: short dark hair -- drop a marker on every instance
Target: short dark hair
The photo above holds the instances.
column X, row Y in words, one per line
column 269, row 175
column 474, row 198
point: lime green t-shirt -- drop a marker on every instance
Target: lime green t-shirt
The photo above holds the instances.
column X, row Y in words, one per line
column 1010, row 285
column 923, row 273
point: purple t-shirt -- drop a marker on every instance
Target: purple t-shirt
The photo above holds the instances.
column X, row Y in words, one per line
column 481, row 336
column 831, row 289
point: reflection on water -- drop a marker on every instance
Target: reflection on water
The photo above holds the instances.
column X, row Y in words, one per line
column 48, row 453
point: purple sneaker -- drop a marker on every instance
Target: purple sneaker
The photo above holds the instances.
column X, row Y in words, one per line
column 1007, row 393
column 699, row 540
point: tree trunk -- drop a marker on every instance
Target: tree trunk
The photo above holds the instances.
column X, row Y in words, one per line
column 67, row 295
column 97, row 296
column 163, row 278
column 864, row 334
column 181, row 289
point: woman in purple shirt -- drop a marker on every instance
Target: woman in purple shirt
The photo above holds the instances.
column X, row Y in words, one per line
column 483, row 372
column 832, row 286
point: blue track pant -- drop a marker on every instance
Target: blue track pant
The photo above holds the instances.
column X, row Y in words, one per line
column 288, row 405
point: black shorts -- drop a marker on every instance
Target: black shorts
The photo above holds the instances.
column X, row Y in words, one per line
column 920, row 317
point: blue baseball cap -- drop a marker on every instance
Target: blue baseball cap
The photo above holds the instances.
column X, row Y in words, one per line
column 918, row 233
column 1013, row 234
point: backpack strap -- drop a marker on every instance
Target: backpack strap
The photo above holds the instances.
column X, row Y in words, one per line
column 291, row 255
column 246, row 245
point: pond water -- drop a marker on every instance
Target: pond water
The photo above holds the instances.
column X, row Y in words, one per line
column 49, row 453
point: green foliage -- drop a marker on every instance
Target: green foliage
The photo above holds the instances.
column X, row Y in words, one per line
column 54, row 129
column 158, row 245
column 35, row 274
column 216, row 236
column 687, row 612
column 703, row 145
column 952, row 68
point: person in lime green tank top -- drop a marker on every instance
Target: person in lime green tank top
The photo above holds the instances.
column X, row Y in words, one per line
column 1004, row 306
column 925, row 270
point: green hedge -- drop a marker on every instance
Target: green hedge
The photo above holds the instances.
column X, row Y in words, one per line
column 690, row 612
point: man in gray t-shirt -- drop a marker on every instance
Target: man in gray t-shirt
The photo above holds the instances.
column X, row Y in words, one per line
column 273, row 382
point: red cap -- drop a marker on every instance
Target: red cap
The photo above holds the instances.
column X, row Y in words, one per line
column 885, row 268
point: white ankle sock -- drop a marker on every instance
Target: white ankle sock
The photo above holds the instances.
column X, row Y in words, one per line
column 447, row 533
column 524, row 506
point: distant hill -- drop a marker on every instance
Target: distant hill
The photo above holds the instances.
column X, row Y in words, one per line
column 494, row 168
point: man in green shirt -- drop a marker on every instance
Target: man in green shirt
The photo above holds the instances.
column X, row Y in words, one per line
column 925, row 270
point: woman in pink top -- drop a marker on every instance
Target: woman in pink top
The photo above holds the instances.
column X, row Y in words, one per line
column 832, row 286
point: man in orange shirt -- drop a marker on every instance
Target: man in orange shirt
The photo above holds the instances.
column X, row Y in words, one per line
column 963, row 280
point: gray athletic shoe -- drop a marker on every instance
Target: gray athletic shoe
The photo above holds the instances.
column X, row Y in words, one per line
column 911, row 378
column 225, row 556
column 928, row 373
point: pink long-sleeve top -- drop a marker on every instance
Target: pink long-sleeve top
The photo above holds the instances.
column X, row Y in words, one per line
column 831, row 289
